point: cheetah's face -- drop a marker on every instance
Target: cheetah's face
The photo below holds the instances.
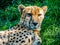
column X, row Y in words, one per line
column 32, row 16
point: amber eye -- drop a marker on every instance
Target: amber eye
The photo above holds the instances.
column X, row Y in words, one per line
column 39, row 14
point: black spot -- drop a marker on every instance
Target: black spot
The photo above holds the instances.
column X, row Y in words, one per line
column 30, row 33
column 24, row 31
column 16, row 41
column 23, row 41
column 19, row 39
column 27, row 33
column 14, row 34
column 3, row 42
column 18, row 25
column 19, row 32
column 9, row 41
column 32, row 38
column 21, row 26
column 20, row 36
column 28, row 40
column 13, row 37
column 26, row 36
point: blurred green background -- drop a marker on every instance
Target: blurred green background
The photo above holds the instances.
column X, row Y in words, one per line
column 50, row 32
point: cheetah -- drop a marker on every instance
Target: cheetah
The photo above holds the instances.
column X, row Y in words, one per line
column 27, row 31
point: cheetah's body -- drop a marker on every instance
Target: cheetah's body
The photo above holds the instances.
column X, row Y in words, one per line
column 28, row 32
column 17, row 36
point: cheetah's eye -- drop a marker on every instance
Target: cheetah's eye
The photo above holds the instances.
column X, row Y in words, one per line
column 29, row 14
column 39, row 14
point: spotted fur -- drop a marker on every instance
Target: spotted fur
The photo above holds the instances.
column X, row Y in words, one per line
column 27, row 31
column 18, row 36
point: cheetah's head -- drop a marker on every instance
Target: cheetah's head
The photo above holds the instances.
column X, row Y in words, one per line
column 32, row 16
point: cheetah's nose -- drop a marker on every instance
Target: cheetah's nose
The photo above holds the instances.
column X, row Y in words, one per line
column 38, row 43
column 35, row 23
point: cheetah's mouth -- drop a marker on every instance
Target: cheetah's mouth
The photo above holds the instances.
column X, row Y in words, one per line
column 31, row 26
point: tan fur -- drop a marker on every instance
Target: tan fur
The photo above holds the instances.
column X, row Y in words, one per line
column 28, row 36
column 37, row 14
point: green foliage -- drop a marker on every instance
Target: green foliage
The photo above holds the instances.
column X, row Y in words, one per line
column 9, row 17
column 50, row 32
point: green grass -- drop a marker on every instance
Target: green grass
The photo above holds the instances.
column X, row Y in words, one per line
column 50, row 32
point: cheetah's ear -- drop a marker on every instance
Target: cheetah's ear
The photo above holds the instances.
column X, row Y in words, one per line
column 20, row 8
column 44, row 9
